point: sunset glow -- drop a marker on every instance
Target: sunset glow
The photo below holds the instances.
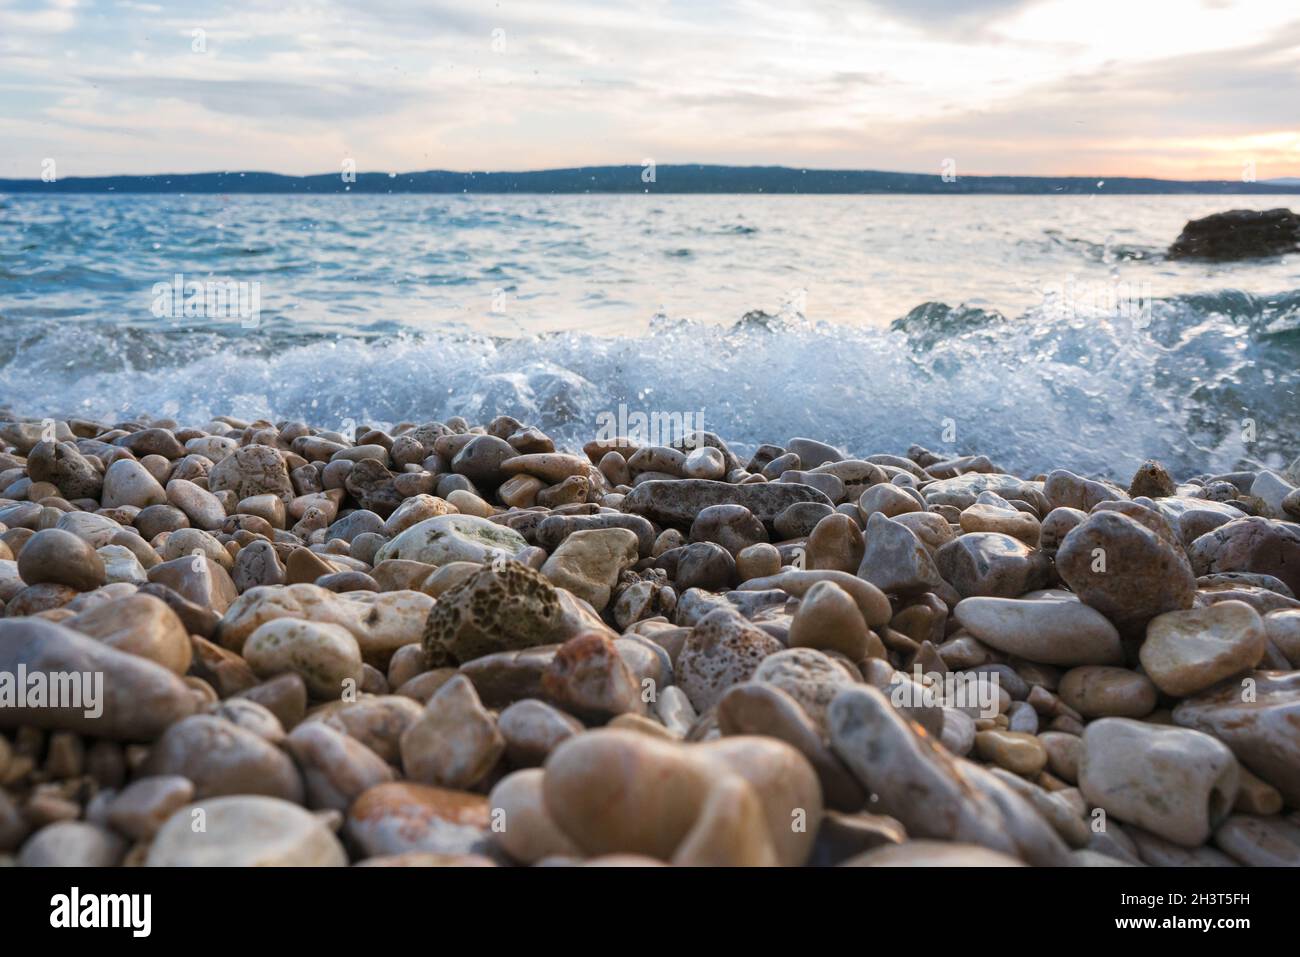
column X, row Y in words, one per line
column 1169, row 89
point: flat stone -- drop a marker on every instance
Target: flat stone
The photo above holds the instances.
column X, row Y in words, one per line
column 1188, row 651
column 554, row 529
column 920, row 853
column 380, row 623
column 677, row 503
column 1050, row 631
column 1008, row 521
column 550, row 467
column 1260, row 841
column 933, row 794
column 245, row 831
column 963, row 490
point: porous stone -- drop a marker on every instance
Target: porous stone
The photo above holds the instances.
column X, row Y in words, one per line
column 495, row 610
column 721, row 651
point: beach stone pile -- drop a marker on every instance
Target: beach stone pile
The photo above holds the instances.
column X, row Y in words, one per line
column 452, row 644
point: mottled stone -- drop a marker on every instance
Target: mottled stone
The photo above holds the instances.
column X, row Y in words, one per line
column 1188, row 651
column 1257, row 718
column 1177, row 783
column 933, row 794
column 1125, row 569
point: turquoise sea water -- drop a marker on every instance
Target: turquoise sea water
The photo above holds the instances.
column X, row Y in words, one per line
column 1040, row 330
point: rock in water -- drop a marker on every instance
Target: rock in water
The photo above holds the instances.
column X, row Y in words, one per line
column 1238, row 234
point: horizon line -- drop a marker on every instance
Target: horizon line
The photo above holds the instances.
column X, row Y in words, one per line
column 1100, row 178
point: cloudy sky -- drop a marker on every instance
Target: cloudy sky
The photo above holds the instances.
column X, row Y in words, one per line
column 1185, row 88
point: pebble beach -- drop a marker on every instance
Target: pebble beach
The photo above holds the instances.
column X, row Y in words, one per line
column 456, row 643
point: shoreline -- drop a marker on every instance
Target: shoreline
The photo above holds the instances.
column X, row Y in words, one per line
column 453, row 643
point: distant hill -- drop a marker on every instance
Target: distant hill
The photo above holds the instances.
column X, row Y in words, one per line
column 628, row 179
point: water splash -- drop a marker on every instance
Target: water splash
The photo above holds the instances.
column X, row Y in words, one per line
column 1093, row 392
